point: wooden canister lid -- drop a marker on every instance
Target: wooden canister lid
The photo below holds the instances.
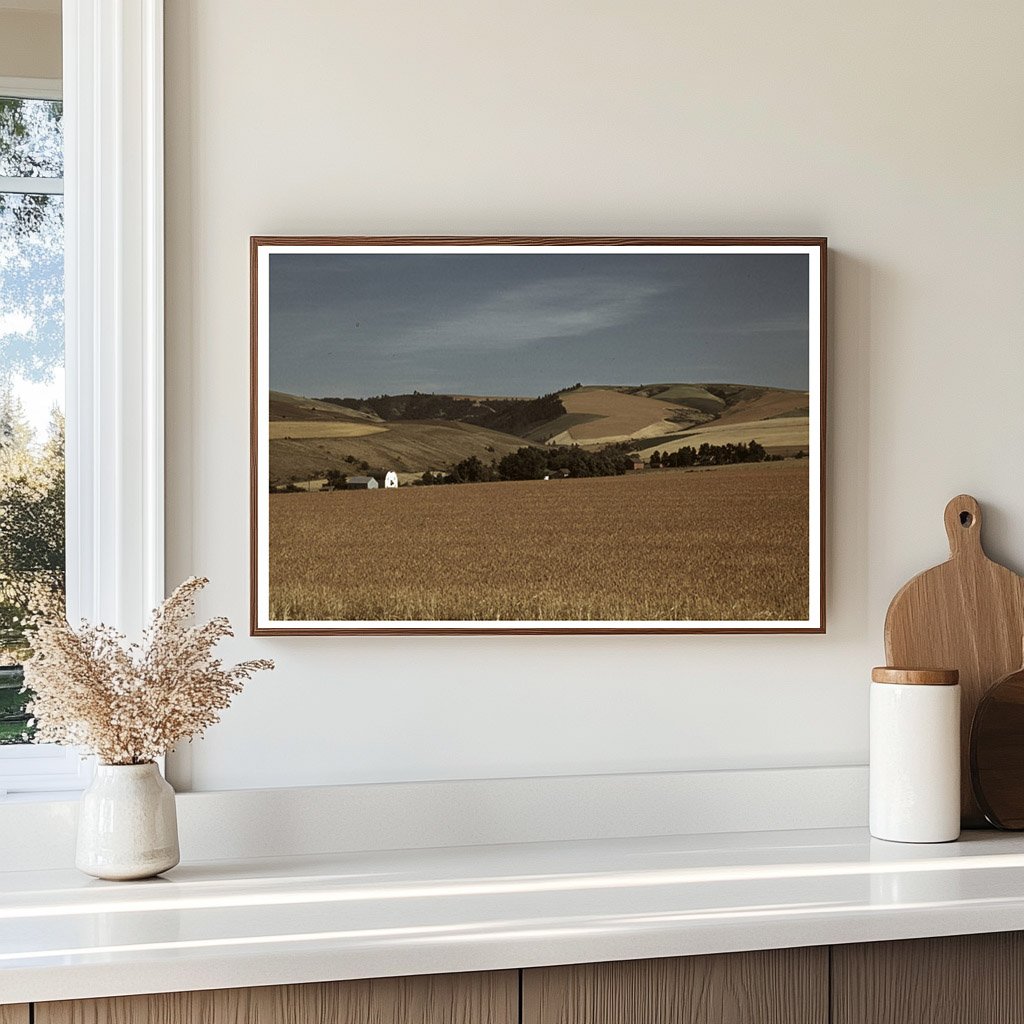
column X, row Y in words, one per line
column 916, row 676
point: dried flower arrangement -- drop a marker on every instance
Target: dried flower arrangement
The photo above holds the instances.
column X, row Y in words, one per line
column 130, row 703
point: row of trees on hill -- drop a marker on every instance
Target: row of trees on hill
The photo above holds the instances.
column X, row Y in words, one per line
column 515, row 416
column 713, row 455
column 535, row 463
column 531, row 463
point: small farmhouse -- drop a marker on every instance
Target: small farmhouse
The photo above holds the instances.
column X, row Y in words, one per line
column 361, row 483
column 638, row 464
column 391, row 479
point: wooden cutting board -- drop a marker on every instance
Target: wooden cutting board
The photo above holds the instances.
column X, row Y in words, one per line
column 967, row 614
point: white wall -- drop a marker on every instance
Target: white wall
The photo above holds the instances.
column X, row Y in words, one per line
column 894, row 129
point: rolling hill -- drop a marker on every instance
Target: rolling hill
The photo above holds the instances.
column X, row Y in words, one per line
column 418, row 432
column 336, row 438
column 609, row 415
column 654, row 414
column 782, row 434
column 295, row 407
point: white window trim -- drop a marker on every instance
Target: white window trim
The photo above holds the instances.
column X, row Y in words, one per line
column 114, row 325
column 32, row 88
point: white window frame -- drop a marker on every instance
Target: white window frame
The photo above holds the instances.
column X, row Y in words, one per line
column 114, row 336
column 31, row 89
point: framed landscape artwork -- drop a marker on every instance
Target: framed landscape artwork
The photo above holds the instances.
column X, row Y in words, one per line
column 537, row 435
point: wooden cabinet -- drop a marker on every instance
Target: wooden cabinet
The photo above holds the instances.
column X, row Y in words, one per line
column 970, row 979
column 491, row 998
column 963, row 979
column 779, row 986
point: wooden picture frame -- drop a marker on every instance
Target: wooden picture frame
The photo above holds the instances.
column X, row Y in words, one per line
column 357, row 320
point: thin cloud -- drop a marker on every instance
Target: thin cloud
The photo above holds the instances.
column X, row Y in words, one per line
column 561, row 308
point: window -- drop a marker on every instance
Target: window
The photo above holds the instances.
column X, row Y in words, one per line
column 32, row 399
column 31, row 382
column 32, row 559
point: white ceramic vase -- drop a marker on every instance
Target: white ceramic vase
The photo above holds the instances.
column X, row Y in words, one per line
column 127, row 825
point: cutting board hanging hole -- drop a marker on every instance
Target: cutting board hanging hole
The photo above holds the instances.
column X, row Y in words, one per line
column 963, row 525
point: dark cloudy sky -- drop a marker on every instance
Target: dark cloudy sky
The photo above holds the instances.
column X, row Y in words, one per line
column 346, row 324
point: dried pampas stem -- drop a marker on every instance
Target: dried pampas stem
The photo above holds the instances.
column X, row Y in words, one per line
column 129, row 703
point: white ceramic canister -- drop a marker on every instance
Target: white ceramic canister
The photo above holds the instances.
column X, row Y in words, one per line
column 915, row 755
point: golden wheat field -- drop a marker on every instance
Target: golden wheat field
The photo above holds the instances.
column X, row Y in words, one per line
column 713, row 544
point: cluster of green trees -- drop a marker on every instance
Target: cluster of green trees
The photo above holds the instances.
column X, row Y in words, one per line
column 430, row 479
column 518, row 417
column 468, row 471
column 536, row 463
column 31, row 521
column 509, row 415
column 712, row 455
column 531, row 463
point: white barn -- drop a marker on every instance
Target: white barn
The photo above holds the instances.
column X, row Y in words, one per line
column 390, row 479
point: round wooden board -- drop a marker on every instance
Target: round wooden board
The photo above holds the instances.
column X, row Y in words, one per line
column 997, row 752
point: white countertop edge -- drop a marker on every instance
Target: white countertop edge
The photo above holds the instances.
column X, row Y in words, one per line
column 544, row 947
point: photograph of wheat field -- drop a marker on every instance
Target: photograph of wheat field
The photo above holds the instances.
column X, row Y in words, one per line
column 453, row 436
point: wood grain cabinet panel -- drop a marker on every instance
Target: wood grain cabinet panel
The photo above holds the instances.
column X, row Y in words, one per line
column 963, row 979
column 484, row 998
column 779, row 986
column 14, row 1014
